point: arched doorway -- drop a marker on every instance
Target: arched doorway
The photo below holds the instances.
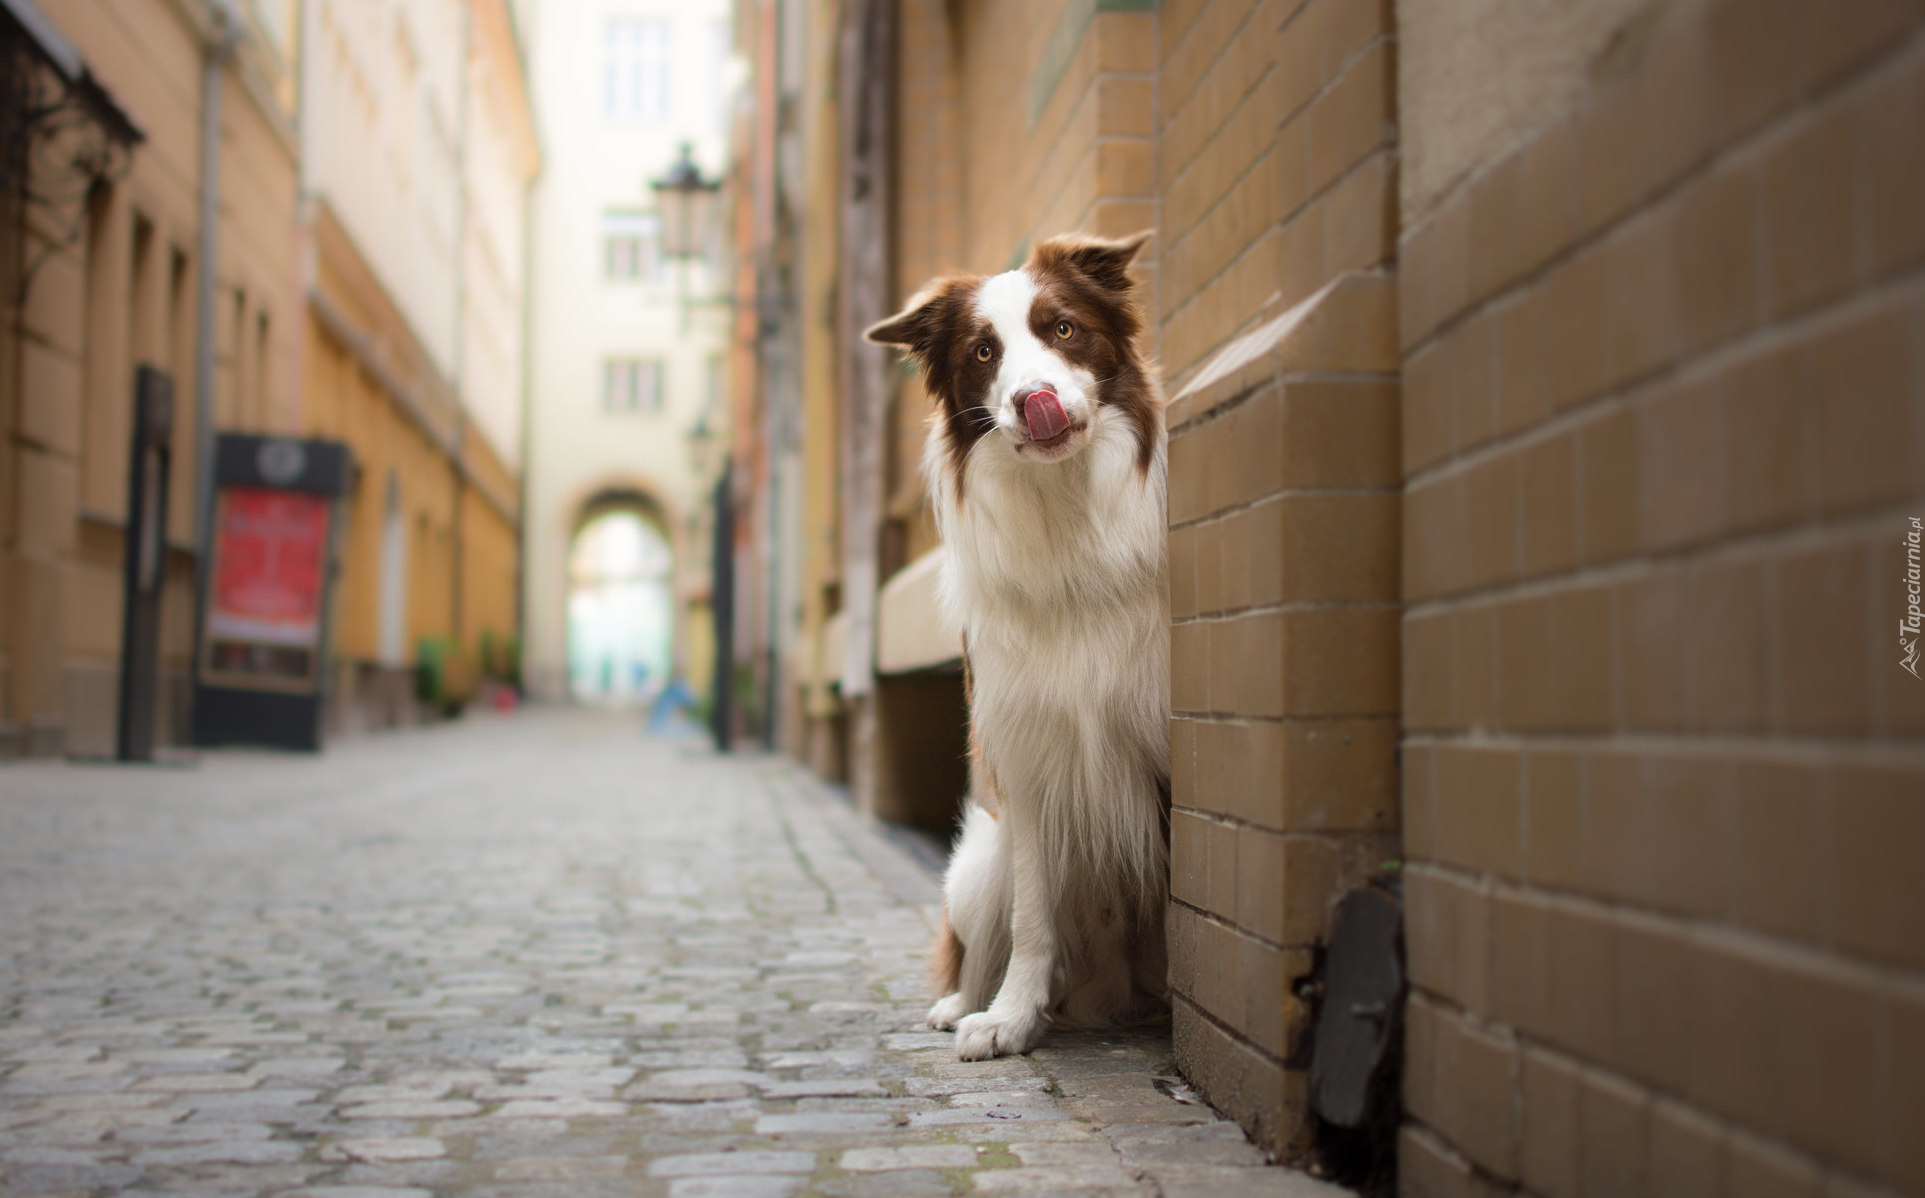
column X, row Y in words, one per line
column 621, row 608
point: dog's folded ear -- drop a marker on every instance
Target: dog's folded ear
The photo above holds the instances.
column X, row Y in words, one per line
column 915, row 327
column 1101, row 260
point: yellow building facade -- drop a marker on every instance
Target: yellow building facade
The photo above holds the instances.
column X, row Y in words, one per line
column 203, row 130
column 412, row 246
column 103, row 247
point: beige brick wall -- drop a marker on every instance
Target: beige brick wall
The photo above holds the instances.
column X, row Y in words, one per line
column 1664, row 806
column 1276, row 163
column 991, row 160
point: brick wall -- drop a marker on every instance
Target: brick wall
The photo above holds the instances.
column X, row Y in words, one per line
column 1277, row 145
column 991, row 160
column 1662, row 787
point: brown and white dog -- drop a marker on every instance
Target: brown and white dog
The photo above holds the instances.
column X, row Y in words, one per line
column 1046, row 467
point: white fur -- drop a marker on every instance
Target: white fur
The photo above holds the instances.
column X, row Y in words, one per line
column 1056, row 571
column 976, row 887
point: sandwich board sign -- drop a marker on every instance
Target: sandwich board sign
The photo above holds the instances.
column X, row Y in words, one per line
column 260, row 670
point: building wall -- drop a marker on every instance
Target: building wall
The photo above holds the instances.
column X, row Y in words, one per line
column 383, row 132
column 420, row 152
column 116, row 285
column 576, row 450
column 1662, row 787
column 985, row 169
column 1545, row 444
column 1277, row 139
column 822, row 739
column 498, row 167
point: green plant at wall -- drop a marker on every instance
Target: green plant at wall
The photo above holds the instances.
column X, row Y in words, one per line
column 501, row 657
column 445, row 674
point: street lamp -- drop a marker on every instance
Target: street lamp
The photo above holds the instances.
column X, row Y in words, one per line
column 686, row 202
column 702, row 444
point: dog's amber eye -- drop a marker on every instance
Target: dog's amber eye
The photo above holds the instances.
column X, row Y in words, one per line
column 1064, row 330
column 984, row 353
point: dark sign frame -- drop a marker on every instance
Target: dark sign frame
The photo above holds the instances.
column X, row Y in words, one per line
column 269, row 706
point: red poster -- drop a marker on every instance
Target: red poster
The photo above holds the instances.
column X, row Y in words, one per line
column 269, row 567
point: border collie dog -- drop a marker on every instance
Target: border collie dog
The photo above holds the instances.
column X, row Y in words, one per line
column 1046, row 466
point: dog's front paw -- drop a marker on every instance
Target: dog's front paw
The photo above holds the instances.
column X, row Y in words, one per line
column 947, row 1011
column 989, row 1034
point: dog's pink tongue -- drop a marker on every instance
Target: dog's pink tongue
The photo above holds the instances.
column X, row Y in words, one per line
column 1045, row 415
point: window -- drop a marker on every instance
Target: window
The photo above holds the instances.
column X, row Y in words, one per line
column 631, row 246
column 631, row 385
column 635, row 71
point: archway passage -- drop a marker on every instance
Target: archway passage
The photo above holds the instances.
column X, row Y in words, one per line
column 621, row 609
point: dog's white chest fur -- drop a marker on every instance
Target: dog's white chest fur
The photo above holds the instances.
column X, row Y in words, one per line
column 1056, row 574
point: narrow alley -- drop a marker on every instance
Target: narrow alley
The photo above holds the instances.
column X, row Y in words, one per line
column 544, row 955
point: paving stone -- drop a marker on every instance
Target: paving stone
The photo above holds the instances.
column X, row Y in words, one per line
column 945, row 1086
column 535, row 957
column 561, row 1108
column 921, row 1156
column 748, row 1186
column 197, row 1083
column 561, row 1168
column 412, row 1110
column 355, row 1192
column 973, row 1116
column 713, row 1164
column 900, row 1183
column 1255, row 1182
column 555, row 1060
column 405, row 1148
column 48, row 1155
column 822, row 1124
column 239, row 1152
column 1045, row 1153
column 1144, row 1153
column 175, row 1056
column 297, row 1067
column 193, row 1133
column 1059, row 1180
column 825, row 1088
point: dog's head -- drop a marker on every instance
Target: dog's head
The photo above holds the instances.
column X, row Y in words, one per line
column 1035, row 360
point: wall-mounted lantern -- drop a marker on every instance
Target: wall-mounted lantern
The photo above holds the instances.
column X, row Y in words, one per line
column 687, row 204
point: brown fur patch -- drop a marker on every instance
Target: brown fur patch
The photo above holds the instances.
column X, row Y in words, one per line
column 945, row 959
column 941, row 329
column 1086, row 281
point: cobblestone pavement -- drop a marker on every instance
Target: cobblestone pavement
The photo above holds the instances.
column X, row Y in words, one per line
column 527, row 956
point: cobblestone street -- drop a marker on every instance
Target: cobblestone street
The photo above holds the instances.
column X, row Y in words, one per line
column 541, row 955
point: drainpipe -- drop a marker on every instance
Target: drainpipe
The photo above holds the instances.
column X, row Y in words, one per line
column 523, row 637
column 218, row 48
column 457, row 524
